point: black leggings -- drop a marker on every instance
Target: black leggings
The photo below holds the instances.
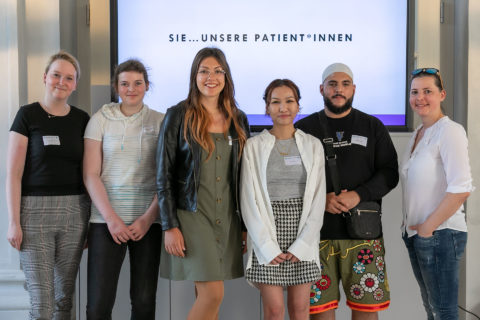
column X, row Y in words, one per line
column 105, row 259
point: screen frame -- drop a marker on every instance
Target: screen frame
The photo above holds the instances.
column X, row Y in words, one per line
column 409, row 63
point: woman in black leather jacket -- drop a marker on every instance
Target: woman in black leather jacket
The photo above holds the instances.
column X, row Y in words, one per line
column 198, row 158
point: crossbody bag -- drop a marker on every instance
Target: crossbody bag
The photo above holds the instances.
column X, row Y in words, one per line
column 363, row 221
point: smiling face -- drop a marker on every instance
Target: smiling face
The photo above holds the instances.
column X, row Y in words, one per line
column 426, row 97
column 210, row 78
column 283, row 106
column 60, row 80
column 131, row 88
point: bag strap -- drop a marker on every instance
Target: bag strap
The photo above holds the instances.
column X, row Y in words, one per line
column 330, row 155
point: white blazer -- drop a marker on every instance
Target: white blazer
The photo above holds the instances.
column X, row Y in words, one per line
column 255, row 203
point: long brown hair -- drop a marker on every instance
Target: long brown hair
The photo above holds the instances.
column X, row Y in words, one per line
column 197, row 119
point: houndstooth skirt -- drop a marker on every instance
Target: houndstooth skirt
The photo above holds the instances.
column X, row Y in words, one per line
column 287, row 216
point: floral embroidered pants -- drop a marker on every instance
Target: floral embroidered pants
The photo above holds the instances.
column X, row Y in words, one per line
column 360, row 264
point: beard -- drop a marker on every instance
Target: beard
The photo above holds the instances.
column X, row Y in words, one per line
column 338, row 110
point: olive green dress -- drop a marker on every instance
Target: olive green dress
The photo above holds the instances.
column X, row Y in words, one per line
column 212, row 235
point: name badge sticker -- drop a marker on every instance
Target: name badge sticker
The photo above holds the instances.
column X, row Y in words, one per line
column 293, row 161
column 51, row 140
column 149, row 130
column 360, row 140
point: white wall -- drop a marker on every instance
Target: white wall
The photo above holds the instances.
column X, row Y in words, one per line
column 13, row 299
column 472, row 283
column 29, row 34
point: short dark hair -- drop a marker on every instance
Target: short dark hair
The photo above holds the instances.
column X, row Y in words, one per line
column 129, row 65
column 267, row 96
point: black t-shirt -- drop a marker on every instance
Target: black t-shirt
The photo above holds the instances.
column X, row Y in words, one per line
column 366, row 160
column 53, row 164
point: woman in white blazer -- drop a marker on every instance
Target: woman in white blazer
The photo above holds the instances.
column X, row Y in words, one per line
column 282, row 201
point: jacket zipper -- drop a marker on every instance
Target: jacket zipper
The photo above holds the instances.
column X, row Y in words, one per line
column 359, row 211
column 366, row 210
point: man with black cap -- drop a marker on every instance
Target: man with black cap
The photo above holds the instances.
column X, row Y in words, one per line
column 361, row 168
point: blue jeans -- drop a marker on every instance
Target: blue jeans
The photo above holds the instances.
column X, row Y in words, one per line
column 435, row 262
column 105, row 259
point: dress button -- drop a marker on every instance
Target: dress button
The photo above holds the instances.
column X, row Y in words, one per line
column 218, row 221
column 218, row 179
column 218, row 240
column 219, row 200
column 218, row 139
column 218, row 157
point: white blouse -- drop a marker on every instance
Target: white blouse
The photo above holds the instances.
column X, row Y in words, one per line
column 255, row 202
column 439, row 164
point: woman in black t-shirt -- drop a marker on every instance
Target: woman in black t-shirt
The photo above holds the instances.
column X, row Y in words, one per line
column 47, row 206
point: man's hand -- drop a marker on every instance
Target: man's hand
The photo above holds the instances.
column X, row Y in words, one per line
column 333, row 205
column 348, row 199
column 345, row 201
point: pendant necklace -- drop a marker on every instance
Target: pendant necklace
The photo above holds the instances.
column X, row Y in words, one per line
column 53, row 115
column 283, row 152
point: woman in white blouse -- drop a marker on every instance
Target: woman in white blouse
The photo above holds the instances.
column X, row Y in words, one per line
column 436, row 180
column 282, row 199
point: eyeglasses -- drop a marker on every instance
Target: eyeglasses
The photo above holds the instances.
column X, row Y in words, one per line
column 432, row 71
column 204, row 73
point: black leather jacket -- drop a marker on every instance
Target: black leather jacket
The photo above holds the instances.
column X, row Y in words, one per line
column 178, row 166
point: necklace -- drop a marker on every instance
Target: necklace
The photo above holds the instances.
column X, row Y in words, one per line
column 49, row 115
column 283, row 152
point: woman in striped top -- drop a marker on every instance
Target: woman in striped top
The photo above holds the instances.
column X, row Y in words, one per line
column 119, row 173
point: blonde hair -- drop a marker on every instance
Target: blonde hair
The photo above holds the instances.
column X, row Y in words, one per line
column 63, row 55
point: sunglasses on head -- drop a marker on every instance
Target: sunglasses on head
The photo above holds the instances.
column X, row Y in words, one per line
column 431, row 71
column 425, row 70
